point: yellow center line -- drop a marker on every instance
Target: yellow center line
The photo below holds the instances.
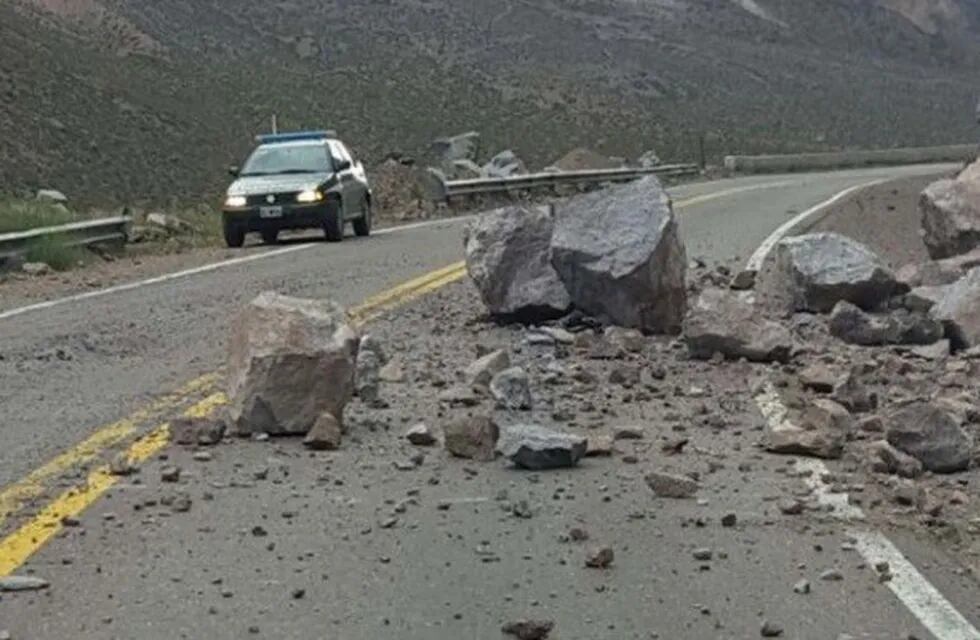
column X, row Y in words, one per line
column 15, row 495
column 16, row 548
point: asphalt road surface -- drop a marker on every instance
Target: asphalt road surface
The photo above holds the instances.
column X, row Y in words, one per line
column 283, row 544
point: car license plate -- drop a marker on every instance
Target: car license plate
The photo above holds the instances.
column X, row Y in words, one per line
column 270, row 212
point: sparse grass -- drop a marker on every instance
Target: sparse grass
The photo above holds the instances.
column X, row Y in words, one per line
column 56, row 255
column 22, row 215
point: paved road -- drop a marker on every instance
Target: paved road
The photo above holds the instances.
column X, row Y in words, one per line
column 72, row 368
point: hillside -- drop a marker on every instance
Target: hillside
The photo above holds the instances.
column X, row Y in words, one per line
column 118, row 100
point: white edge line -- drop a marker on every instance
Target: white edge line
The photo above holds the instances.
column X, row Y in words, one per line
column 214, row 266
column 913, row 590
column 755, row 263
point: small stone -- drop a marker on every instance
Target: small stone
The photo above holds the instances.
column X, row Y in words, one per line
column 577, row 534
column 802, row 587
column 832, row 575
column 22, row 583
column 181, row 504
column 599, row 446
column 668, row 485
column 702, row 554
column 600, row 558
column 628, row 433
column 325, row 435
column 511, row 388
column 536, row 448
column 298, row 594
column 121, row 466
column 529, row 629
column 170, row 474
column 203, row 456
column 36, row 268
column 729, row 520
column 771, row 629
column 4, row 634
column 474, row 437
column 791, row 507
column 420, row 435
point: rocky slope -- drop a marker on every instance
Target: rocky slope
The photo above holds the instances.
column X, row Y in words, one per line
column 127, row 99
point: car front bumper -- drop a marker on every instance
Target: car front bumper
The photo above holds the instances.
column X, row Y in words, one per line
column 294, row 216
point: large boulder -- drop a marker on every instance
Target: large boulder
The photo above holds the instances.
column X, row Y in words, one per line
column 536, row 448
column 726, row 322
column 818, row 270
column 821, row 431
column 850, row 324
column 958, row 308
column 503, row 165
column 620, row 256
column 290, row 360
column 932, row 435
column 463, row 146
column 508, row 256
column 951, row 214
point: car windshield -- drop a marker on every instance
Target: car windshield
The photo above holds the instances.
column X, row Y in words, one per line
column 278, row 159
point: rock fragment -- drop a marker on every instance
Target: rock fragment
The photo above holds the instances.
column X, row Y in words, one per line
column 535, row 448
column 726, row 322
column 600, row 558
column 529, row 629
column 511, row 388
column 473, row 437
column 821, row 431
column 669, row 485
column 420, row 435
column 325, row 435
column 932, row 435
column 481, row 371
column 22, row 583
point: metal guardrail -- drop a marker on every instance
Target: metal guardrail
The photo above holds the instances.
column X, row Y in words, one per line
column 448, row 189
column 75, row 234
column 854, row 158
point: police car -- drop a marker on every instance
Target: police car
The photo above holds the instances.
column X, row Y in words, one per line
column 301, row 180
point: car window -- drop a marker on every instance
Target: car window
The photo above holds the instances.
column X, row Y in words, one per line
column 278, row 158
column 339, row 151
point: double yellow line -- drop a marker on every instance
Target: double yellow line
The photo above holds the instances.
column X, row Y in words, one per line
column 20, row 545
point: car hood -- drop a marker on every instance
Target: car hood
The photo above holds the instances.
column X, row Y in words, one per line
column 259, row 185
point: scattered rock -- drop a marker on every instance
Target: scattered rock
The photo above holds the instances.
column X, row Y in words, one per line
column 818, row 270
column 600, row 558
column 951, row 214
column 170, row 473
column 729, row 520
column 791, row 507
column 420, row 435
column 472, row 437
column 702, row 555
column 821, row 432
column 832, row 575
column 852, row 325
column 463, row 146
column 512, row 389
column 802, row 587
column 197, row 431
column 628, row 433
column 599, row 446
column 325, row 435
column 508, row 256
column 932, row 435
column 959, row 311
column 726, row 322
column 22, row 583
column 529, row 629
column 936, row 351
column 392, row 372
column 482, row 370
column 884, row 458
column 771, row 629
column 367, row 376
column 504, row 164
column 668, row 485
column 619, row 254
column 461, row 395
column 819, row 377
column 536, row 448
column 290, row 361
column 36, row 268
column 629, row 340
column 852, row 395
column 181, row 503
column 121, row 465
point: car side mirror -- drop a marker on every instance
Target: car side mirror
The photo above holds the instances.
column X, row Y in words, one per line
column 343, row 165
column 234, row 170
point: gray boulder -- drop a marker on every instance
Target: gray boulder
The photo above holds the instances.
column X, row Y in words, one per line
column 884, row 458
column 958, row 309
column 951, row 214
column 503, row 165
column 512, row 389
column 620, row 256
column 726, row 322
column 508, row 256
column 818, row 270
column 474, row 437
column 932, row 435
column 463, row 146
column 850, row 324
column 536, row 448
column 290, row 360
column 820, row 432
column 482, row 370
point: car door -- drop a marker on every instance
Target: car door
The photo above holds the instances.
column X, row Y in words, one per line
column 355, row 187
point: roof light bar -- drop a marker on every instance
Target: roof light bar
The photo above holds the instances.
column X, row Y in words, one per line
column 294, row 136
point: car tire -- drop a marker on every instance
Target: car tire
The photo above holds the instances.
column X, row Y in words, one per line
column 234, row 234
column 270, row 236
column 362, row 226
column 333, row 225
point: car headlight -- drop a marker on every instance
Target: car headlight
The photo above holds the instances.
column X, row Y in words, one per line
column 236, row 201
column 310, row 195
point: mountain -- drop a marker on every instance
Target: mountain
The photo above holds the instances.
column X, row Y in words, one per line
column 122, row 100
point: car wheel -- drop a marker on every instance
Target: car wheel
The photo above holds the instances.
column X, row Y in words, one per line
column 333, row 225
column 234, row 234
column 362, row 226
column 270, row 236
